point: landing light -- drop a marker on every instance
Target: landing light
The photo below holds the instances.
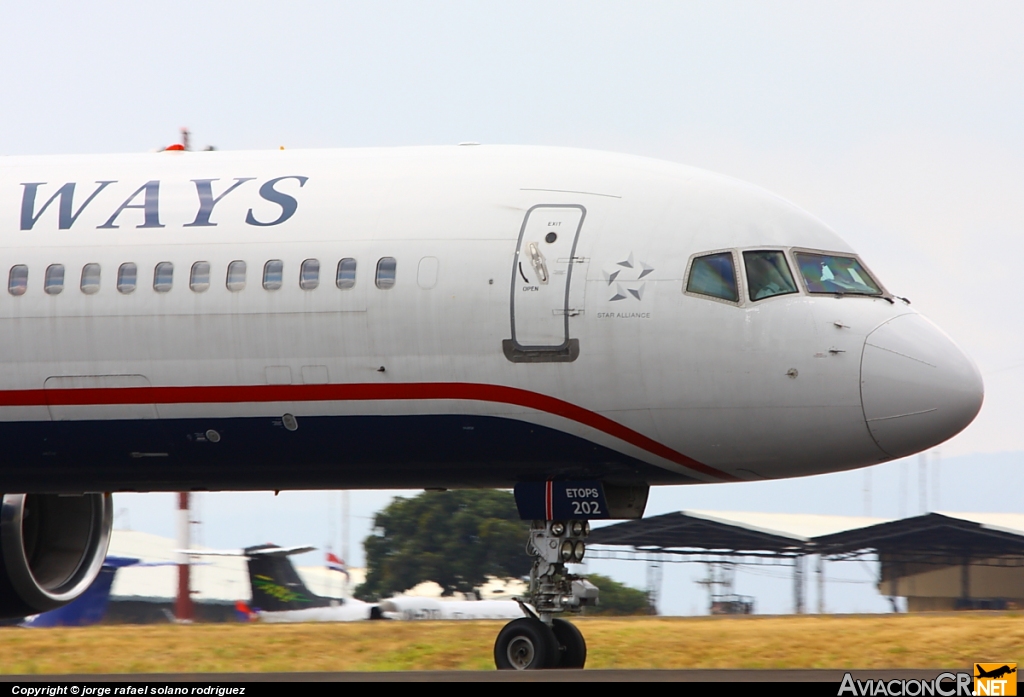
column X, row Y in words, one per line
column 558, row 529
column 578, row 550
column 577, row 528
column 567, row 551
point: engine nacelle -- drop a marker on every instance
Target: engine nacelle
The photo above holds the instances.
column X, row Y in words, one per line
column 52, row 548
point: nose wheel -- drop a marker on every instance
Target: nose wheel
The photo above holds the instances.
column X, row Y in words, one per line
column 529, row 644
column 526, row 644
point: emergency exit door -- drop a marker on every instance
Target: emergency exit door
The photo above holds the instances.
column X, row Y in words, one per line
column 542, row 277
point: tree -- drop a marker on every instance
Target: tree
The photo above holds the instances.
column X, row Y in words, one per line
column 618, row 598
column 454, row 538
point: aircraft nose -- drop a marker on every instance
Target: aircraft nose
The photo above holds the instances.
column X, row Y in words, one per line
column 917, row 387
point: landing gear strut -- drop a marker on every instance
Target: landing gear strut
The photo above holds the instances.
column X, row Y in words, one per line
column 544, row 640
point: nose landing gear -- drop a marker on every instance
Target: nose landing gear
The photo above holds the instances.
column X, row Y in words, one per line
column 543, row 640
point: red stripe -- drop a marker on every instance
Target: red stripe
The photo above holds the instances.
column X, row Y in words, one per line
column 548, row 496
column 352, row 393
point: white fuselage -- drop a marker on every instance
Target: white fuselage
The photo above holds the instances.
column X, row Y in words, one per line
column 350, row 611
column 419, row 608
column 487, row 361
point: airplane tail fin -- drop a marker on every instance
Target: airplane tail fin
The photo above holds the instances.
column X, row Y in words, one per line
column 276, row 585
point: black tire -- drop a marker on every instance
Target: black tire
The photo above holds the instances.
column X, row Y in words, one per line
column 526, row 644
column 572, row 645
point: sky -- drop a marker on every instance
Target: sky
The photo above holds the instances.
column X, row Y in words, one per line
column 900, row 124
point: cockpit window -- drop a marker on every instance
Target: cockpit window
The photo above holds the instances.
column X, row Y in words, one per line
column 768, row 274
column 714, row 275
column 831, row 273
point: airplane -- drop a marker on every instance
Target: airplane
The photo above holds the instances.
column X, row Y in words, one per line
column 577, row 326
column 995, row 672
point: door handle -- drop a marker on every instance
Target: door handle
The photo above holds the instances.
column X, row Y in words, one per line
column 537, row 261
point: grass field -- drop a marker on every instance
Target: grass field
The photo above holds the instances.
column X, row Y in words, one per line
column 886, row 641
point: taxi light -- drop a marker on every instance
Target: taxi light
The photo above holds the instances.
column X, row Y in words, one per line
column 558, row 529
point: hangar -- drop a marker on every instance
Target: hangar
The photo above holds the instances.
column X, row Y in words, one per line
column 941, row 561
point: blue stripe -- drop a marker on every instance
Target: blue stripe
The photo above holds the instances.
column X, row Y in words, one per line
column 259, row 453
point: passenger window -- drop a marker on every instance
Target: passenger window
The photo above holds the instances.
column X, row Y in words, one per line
column 236, row 276
column 126, row 275
column 273, row 272
column 163, row 277
column 53, row 283
column 17, row 280
column 346, row 273
column 309, row 275
column 768, row 274
column 831, row 273
column 386, row 273
column 199, row 279
column 713, row 275
column 90, row 279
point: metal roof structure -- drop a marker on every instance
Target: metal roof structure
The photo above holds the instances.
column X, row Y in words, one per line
column 692, row 532
column 733, row 534
column 937, row 538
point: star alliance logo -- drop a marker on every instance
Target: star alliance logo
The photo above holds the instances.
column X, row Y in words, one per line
column 626, row 275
